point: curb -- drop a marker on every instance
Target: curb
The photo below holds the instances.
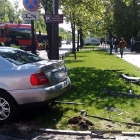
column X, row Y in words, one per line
column 67, row 132
column 90, row 133
column 131, row 133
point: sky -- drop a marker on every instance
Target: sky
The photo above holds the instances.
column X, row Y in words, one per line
column 64, row 25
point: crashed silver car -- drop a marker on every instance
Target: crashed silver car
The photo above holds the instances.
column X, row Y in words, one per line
column 26, row 80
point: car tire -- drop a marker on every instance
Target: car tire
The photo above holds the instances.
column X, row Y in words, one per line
column 9, row 110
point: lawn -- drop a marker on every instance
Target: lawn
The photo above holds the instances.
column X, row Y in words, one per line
column 93, row 71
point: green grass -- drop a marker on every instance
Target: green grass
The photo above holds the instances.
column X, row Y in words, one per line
column 91, row 72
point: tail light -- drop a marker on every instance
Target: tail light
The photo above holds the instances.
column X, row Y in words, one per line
column 38, row 79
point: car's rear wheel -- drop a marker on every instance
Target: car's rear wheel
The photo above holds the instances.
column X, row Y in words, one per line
column 8, row 109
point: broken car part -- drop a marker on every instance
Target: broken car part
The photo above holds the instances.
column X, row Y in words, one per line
column 130, row 78
column 84, row 114
column 117, row 93
column 60, row 102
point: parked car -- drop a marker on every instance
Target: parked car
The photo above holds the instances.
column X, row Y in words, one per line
column 91, row 41
column 27, row 80
column 68, row 43
column 64, row 42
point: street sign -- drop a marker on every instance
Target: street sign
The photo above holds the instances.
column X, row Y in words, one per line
column 31, row 5
column 54, row 18
column 27, row 15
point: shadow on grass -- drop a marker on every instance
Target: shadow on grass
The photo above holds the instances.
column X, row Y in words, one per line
column 87, row 85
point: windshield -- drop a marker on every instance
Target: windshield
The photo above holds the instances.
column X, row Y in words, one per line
column 19, row 57
column 24, row 33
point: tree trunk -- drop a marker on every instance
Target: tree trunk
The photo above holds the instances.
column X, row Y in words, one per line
column 73, row 40
column 78, row 40
column 81, row 39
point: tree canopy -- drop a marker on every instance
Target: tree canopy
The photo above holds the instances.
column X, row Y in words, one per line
column 95, row 17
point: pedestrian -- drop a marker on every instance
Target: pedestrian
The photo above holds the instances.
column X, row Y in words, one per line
column 101, row 41
column 6, row 41
column 116, row 43
column 132, row 41
column 122, row 45
column 111, row 43
column 13, row 42
column 1, row 44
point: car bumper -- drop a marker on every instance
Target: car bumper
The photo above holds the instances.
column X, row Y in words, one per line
column 40, row 94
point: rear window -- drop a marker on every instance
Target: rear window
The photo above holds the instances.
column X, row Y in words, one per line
column 19, row 57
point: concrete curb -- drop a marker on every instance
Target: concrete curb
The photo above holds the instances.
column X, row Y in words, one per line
column 90, row 133
column 131, row 133
column 67, row 132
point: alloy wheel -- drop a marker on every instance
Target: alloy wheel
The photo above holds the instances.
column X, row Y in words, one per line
column 4, row 109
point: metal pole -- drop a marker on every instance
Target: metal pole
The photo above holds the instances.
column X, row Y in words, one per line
column 56, row 33
column 53, row 34
column 33, row 45
column 53, row 41
column 53, row 6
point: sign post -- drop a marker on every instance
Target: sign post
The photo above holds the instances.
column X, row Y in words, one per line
column 55, row 19
column 31, row 5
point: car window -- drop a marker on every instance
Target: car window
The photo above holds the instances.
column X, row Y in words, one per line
column 19, row 57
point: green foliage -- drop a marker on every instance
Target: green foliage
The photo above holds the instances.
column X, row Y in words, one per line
column 6, row 11
column 66, row 35
column 85, row 14
column 94, row 17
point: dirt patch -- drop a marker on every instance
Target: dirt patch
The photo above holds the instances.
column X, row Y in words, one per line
column 80, row 122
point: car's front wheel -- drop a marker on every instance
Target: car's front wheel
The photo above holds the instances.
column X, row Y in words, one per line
column 8, row 108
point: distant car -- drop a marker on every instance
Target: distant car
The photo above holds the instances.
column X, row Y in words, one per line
column 27, row 80
column 64, row 42
column 68, row 43
column 91, row 41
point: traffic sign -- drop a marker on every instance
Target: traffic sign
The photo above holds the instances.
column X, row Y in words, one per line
column 31, row 5
column 54, row 18
column 28, row 15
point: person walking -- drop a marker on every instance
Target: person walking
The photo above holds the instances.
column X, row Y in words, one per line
column 111, row 43
column 132, row 41
column 13, row 42
column 116, row 43
column 6, row 41
column 122, row 45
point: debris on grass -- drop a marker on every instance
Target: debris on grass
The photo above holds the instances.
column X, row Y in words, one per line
column 117, row 93
column 109, row 108
column 80, row 122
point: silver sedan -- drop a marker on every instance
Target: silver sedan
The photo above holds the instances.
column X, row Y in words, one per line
column 26, row 79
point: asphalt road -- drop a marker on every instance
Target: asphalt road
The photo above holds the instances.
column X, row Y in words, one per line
column 64, row 50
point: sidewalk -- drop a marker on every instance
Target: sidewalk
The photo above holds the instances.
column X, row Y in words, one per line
column 131, row 57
